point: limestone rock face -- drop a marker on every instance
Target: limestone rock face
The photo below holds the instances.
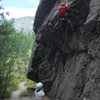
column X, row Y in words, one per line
column 66, row 52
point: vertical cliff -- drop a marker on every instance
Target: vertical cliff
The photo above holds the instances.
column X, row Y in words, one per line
column 66, row 52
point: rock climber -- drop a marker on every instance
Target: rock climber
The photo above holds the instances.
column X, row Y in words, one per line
column 62, row 9
column 61, row 14
column 39, row 93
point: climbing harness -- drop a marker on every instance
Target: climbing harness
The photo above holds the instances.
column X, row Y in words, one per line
column 62, row 9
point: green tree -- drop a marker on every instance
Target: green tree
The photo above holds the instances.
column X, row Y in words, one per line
column 14, row 54
column 15, row 48
column 7, row 55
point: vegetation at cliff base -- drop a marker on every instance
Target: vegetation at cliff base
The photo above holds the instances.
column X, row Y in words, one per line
column 15, row 50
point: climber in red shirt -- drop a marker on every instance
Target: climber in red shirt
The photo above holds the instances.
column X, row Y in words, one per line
column 63, row 9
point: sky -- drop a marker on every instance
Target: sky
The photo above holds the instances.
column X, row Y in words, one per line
column 20, row 8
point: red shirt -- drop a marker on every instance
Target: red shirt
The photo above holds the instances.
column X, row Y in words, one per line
column 62, row 9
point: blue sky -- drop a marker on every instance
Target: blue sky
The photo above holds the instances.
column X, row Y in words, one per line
column 20, row 8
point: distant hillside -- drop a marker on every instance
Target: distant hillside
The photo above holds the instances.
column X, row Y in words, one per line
column 24, row 23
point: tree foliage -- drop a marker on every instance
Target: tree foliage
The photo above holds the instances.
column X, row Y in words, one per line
column 14, row 54
column 15, row 49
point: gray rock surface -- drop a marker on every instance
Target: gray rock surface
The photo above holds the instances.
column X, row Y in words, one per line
column 67, row 61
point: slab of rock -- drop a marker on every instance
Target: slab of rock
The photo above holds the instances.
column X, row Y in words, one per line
column 66, row 52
